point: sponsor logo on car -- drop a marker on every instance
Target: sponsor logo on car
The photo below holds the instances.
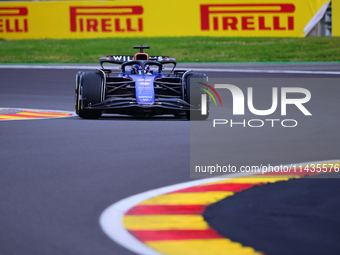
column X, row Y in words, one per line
column 13, row 20
column 120, row 58
column 119, row 19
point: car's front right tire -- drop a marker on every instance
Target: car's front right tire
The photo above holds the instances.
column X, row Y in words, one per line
column 193, row 95
column 88, row 92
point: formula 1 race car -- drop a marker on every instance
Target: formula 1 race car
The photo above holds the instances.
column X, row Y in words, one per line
column 141, row 88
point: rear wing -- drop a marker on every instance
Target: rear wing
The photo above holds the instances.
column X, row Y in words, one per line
column 122, row 59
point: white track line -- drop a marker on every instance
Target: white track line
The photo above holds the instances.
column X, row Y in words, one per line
column 194, row 69
column 111, row 220
column 265, row 71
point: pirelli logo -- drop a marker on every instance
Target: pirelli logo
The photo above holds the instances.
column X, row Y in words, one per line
column 247, row 17
column 106, row 19
column 13, row 20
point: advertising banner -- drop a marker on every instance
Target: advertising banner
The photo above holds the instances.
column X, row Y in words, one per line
column 95, row 19
column 336, row 18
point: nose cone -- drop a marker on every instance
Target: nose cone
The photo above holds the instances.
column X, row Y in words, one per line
column 145, row 92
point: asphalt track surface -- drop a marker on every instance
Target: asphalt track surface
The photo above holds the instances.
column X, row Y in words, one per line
column 58, row 175
column 293, row 217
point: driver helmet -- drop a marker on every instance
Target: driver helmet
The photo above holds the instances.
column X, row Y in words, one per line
column 136, row 69
column 146, row 69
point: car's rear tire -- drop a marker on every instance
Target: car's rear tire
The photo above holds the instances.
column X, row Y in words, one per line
column 192, row 95
column 89, row 92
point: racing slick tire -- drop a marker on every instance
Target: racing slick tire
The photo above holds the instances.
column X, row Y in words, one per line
column 76, row 97
column 192, row 95
column 88, row 92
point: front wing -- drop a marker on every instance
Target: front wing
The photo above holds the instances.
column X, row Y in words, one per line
column 129, row 105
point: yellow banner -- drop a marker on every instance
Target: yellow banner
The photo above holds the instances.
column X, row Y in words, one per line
column 93, row 19
column 336, row 18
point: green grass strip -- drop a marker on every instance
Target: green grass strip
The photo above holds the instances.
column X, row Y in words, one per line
column 184, row 49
